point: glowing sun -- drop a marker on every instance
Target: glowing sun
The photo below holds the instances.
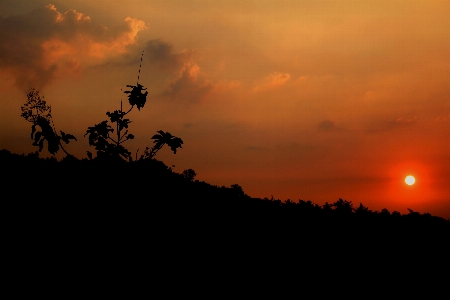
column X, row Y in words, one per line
column 410, row 180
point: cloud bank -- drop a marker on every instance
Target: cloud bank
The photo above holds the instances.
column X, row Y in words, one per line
column 38, row 47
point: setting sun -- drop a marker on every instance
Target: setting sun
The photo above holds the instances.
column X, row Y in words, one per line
column 410, row 180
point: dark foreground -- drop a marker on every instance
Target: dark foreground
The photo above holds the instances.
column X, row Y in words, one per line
column 86, row 214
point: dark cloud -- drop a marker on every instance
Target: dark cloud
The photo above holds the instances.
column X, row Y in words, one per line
column 37, row 47
column 157, row 54
column 161, row 53
column 184, row 82
column 387, row 125
column 326, row 126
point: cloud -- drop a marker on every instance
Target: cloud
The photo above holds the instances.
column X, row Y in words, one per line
column 273, row 80
column 161, row 53
column 330, row 126
column 392, row 124
column 187, row 87
column 400, row 122
column 326, row 126
column 441, row 118
column 185, row 82
column 44, row 44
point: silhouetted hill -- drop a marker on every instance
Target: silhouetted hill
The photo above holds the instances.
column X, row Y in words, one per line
column 145, row 205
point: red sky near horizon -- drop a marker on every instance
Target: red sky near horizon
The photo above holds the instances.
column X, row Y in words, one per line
column 311, row 100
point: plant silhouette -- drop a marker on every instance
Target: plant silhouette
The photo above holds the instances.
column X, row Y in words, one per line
column 99, row 135
column 107, row 137
column 161, row 139
column 36, row 111
column 107, row 147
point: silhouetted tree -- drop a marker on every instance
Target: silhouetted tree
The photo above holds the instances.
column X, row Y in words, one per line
column 362, row 210
column 327, row 207
column 385, row 213
column 189, row 174
column 396, row 214
column 237, row 190
column 343, row 206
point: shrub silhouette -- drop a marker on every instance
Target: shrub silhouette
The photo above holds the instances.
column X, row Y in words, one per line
column 189, row 174
column 36, row 111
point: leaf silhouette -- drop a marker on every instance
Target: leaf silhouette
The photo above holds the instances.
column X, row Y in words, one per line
column 137, row 96
column 175, row 143
column 67, row 137
column 163, row 138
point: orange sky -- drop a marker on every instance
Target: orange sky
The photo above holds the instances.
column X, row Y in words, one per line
column 312, row 100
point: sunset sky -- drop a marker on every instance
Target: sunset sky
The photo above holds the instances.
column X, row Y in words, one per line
column 302, row 99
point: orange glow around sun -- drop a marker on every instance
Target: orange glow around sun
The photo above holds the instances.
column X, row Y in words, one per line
column 410, row 180
column 403, row 191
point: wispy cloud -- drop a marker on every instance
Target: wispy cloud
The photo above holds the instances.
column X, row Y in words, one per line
column 443, row 118
column 387, row 125
column 272, row 81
